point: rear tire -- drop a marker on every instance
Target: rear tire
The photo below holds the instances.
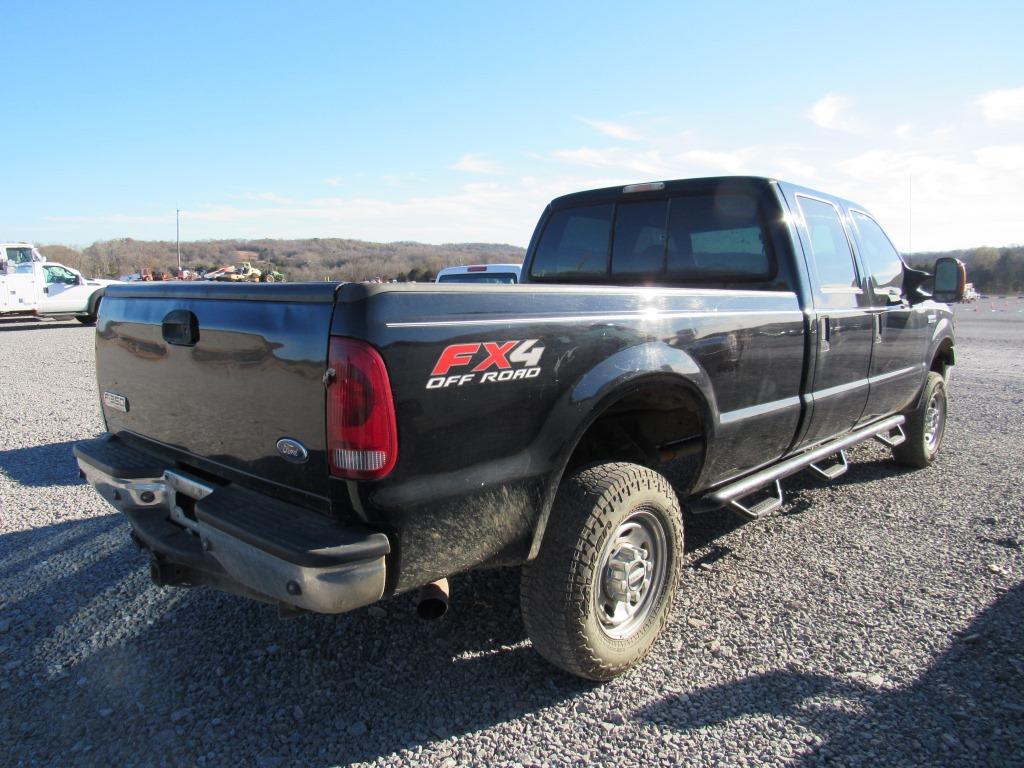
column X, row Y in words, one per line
column 925, row 426
column 600, row 591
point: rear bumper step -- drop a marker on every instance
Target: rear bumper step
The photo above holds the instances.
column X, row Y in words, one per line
column 234, row 539
column 736, row 490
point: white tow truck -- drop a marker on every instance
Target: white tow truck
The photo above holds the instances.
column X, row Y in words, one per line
column 31, row 286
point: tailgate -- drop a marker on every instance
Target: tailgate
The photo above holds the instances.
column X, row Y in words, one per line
column 222, row 372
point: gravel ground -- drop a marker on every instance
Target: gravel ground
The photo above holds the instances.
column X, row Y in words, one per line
column 877, row 622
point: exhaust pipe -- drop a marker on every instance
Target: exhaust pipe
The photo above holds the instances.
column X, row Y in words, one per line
column 433, row 600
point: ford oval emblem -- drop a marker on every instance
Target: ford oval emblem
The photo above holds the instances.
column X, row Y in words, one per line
column 292, row 450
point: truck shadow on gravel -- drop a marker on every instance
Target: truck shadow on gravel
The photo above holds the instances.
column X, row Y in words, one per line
column 868, row 463
column 41, row 466
column 99, row 666
column 102, row 667
column 966, row 709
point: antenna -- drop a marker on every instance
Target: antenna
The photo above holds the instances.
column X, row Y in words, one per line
column 910, row 217
column 177, row 235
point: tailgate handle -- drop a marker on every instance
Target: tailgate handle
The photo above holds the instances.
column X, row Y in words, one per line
column 181, row 327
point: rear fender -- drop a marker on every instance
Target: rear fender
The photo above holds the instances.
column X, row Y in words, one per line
column 653, row 364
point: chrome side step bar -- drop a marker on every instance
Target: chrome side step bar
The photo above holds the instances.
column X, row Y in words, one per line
column 892, row 438
column 736, row 490
column 762, row 509
column 829, row 474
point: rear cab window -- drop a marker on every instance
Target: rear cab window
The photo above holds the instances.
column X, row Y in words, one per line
column 701, row 238
column 575, row 243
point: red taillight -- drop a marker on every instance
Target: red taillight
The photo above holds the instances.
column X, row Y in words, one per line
column 477, row 268
column 362, row 436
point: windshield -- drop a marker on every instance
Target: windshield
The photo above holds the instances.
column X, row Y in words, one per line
column 478, row 277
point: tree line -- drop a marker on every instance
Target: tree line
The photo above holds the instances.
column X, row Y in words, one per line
column 992, row 270
column 310, row 259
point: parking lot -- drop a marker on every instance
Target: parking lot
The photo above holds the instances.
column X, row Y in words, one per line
column 877, row 622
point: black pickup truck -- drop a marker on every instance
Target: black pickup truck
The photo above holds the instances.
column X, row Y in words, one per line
column 320, row 446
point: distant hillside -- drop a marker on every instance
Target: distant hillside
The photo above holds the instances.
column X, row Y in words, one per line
column 992, row 270
column 313, row 259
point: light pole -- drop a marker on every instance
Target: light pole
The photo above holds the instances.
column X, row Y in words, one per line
column 177, row 235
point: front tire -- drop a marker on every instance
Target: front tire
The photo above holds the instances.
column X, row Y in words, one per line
column 925, row 426
column 600, row 591
column 90, row 319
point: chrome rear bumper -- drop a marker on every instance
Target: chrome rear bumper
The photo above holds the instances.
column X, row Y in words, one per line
column 234, row 539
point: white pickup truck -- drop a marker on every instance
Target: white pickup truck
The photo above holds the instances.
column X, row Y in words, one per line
column 32, row 286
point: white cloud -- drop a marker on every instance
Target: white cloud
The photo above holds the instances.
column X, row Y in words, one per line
column 967, row 187
column 266, row 197
column 791, row 169
column 828, row 112
column 471, row 163
column 334, row 181
column 956, row 198
column 478, row 212
column 613, row 130
column 644, row 162
column 1007, row 158
column 1002, row 105
column 113, row 218
column 719, row 162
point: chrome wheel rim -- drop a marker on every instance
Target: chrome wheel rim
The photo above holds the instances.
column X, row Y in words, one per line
column 934, row 421
column 632, row 574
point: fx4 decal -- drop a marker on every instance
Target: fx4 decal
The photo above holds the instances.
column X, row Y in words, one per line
column 487, row 362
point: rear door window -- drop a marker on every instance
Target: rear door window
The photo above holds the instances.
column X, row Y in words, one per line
column 575, row 243
column 830, row 248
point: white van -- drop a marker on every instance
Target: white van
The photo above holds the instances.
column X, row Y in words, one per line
column 481, row 273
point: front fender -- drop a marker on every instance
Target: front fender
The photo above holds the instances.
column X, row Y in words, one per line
column 942, row 336
column 94, row 300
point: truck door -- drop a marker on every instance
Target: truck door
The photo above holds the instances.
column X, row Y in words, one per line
column 900, row 331
column 61, row 291
column 842, row 321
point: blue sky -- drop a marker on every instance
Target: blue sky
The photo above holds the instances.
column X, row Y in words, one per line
column 449, row 122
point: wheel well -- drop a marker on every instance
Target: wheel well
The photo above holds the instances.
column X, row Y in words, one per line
column 654, row 426
column 944, row 357
column 94, row 301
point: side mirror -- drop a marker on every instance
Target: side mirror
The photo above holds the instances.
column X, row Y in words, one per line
column 950, row 280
